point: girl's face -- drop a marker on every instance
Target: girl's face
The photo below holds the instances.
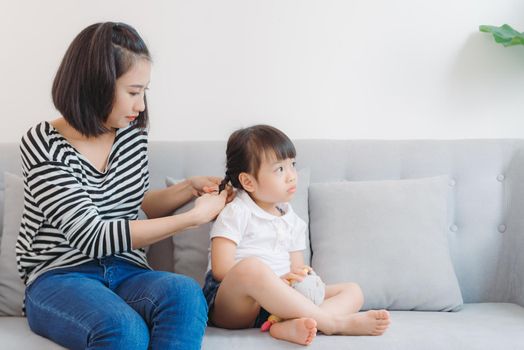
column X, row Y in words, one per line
column 277, row 181
column 129, row 94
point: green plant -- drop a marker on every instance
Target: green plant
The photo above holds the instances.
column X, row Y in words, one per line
column 504, row 34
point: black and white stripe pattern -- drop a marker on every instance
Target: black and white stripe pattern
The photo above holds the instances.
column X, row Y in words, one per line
column 73, row 213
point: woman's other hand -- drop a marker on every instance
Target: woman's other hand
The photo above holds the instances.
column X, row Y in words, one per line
column 204, row 184
column 209, row 184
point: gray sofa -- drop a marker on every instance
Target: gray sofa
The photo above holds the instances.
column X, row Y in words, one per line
column 484, row 233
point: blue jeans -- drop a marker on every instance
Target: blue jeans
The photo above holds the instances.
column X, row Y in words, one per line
column 114, row 304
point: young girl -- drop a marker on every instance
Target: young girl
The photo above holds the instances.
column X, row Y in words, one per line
column 256, row 247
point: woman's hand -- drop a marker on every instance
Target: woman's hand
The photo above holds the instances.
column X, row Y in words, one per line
column 204, row 184
column 208, row 206
column 209, row 184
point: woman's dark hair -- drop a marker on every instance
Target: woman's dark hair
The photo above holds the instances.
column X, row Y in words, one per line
column 247, row 147
column 84, row 86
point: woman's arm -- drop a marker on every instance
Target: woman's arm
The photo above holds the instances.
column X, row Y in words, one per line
column 146, row 232
column 222, row 256
column 159, row 203
column 163, row 202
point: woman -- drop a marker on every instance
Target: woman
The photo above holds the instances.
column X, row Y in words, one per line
column 80, row 247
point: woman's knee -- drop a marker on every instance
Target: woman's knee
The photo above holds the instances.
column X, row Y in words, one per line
column 181, row 307
column 177, row 290
column 176, row 286
column 124, row 330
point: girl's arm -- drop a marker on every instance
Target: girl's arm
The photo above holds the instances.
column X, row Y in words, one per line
column 222, row 256
column 297, row 260
column 297, row 269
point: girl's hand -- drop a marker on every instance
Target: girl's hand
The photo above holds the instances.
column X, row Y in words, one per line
column 296, row 274
column 208, row 206
column 301, row 270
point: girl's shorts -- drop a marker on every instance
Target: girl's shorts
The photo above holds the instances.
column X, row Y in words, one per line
column 210, row 290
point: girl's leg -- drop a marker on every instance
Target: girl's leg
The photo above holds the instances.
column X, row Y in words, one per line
column 343, row 299
column 251, row 283
column 236, row 306
column 347, row 299
column 298, row 330
column 172, row 305
column 78, row 311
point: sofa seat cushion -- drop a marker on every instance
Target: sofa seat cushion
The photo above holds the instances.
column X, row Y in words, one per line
column 477, row 326
column 16, row 334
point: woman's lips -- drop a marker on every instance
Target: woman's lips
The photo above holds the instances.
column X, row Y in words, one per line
column 131, row 118
column 292, row 190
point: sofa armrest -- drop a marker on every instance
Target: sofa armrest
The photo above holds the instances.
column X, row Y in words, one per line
column 510, row 275
column 509, row 284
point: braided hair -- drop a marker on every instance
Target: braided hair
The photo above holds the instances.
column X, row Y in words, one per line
column 224, row 183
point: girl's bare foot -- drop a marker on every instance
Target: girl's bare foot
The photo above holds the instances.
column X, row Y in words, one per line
column 372, row 322
column 299, row 330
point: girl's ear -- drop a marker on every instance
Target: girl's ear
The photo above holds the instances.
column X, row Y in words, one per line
column 247, row 181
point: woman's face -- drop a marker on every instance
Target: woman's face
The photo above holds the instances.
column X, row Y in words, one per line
column 129, row 95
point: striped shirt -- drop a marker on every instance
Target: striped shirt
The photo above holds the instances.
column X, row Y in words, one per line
column 73, row 213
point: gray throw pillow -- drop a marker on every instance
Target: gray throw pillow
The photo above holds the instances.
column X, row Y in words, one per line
column 191, row 247
column 388, row 236
column 11, row 286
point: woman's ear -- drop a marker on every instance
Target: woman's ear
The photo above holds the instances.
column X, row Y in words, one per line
column 247, row 181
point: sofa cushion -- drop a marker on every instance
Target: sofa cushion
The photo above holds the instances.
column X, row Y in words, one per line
column 16, row 334
column 483, row 326
column 390, row 237
column 191, row 246
column 11, row 286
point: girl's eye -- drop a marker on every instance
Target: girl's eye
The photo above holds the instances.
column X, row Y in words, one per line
column 294, row 164
column 134, row 93
column 280, row 169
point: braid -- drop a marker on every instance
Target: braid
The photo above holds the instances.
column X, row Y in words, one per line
column 224, row 182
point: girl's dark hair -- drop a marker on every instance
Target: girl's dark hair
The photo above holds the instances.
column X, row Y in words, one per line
column 247, row 147
column 84, row 86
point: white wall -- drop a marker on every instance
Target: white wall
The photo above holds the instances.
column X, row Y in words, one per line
column 316, row 69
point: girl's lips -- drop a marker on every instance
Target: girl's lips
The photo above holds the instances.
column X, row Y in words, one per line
column 292, row 190
column 130, row 117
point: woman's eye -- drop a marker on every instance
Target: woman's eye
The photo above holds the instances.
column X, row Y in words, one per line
column 294, row 164
column 280, row 169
